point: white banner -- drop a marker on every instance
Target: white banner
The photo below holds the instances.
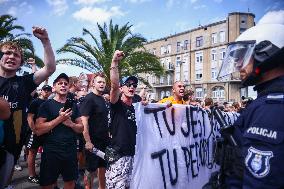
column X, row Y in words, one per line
column 174, row 147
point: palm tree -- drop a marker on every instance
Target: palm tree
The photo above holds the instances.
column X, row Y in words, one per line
column 7, row 29
column 97, row 57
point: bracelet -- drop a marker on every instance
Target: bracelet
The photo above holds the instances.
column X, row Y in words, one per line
column 113, row 67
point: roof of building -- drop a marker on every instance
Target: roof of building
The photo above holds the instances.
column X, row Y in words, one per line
column 200, row 27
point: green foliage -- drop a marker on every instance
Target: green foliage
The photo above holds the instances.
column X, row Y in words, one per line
column 97, row 56
column 7, row 30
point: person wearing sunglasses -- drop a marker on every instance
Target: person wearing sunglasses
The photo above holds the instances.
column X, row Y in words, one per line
column 123, row 126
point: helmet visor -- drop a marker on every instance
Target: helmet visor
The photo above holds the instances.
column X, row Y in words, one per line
column 237, row 56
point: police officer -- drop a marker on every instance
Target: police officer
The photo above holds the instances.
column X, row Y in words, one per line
column 257, row 58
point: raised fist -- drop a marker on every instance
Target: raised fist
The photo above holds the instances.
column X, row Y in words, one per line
column 40, row 33
column 117, row 56
column 31, row 61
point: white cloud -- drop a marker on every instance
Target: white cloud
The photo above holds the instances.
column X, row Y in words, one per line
column 24, row 7
column 90, row 2
column 182, row 26
column 135, row 27
column 12, row 11
column 169, row 3
column 20, row 9
column 193, row 1
column 216, row 19
column 136, row 1
column 273, row 17
column 196, row 7
column 59, row 6
column 3, row 1
column 275, row 6
column 99, row 15
column 23, row 4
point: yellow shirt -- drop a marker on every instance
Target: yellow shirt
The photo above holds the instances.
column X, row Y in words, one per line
column 172, row 100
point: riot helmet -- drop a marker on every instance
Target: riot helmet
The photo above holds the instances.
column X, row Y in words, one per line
column 261, row 46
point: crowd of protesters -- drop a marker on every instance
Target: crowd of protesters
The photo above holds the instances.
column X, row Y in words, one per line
column 72, row 117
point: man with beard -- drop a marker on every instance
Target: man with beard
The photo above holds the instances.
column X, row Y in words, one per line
column 95, row 120
column 61, row 123
column 178, row 93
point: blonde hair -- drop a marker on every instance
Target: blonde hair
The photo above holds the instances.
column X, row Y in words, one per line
column 15, row 46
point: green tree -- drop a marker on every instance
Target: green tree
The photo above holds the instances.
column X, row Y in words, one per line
column 7, row 33
column 97, row 56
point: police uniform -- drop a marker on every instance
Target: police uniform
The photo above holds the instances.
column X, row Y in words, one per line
column 262, row 139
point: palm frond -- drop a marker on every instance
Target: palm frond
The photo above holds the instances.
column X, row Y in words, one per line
column 97, row 54
column 79, row 63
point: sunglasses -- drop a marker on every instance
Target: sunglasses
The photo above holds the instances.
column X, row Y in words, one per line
column 131, row 84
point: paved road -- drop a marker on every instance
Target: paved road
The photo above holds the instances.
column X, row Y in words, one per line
column 20, row 181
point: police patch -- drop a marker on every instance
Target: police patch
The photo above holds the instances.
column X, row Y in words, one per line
column 257, row 162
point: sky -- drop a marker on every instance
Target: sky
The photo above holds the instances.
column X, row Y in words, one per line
column 153, row 19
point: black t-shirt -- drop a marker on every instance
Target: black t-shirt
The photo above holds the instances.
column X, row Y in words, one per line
column 34, row 106
column 95, row 107
column 136, row 98
column 61, row 139
column 123, row 128
column 17, row 91
column 72, row 97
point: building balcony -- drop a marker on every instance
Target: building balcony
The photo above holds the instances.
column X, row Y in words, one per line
column 164, row 84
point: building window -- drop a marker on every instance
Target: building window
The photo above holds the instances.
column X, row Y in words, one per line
column 178, row 62
column 198, row 75
column 178, row 46
column 171, row 67
column 199, row 57
column 213, row 55
column 185, row 45
column 177, row 76
column 222, row 36
column 199, row 41
column 222, row 53
column 214, row 38
column 152, row 79
column 168, row 63
column 163, row 50
column 169, row 49
column 218, row 92
column 162, row 60
column 161, row 80
column 213, row 73
column 168, row 93
column 185, row 76
column 169, row 79
column 154, row 51
column 199, row 92
column 162, row 94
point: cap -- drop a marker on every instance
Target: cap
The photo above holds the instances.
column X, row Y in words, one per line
column 124, row 80
column 62, row 75
column 46, row 87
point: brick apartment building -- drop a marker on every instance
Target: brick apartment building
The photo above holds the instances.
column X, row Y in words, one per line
column 195, row 57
